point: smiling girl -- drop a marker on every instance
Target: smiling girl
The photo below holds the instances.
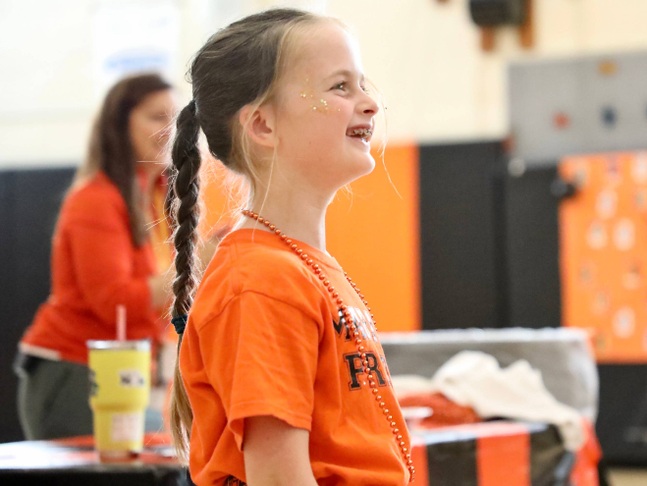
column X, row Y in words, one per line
column 281, row 378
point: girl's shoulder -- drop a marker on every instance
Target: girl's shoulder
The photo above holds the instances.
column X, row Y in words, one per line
column 254, row 256
column 259, row 263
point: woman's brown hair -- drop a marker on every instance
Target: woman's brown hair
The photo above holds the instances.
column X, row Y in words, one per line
column 238, row 66
column 110, row 149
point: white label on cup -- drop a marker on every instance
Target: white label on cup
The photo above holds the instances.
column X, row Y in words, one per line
column 127, row 427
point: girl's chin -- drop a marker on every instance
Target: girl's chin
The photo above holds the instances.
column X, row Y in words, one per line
column 362, row 169
column 369, row 163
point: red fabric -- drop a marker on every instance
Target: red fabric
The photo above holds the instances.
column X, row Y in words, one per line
column 265, row 338
column 585, row 471
column 444, row 411
column 95, row 267
column 151, row 439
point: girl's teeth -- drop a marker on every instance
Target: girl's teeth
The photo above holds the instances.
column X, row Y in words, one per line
column 362, row 132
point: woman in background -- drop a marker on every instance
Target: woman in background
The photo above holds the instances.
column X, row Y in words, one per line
column 109, row 249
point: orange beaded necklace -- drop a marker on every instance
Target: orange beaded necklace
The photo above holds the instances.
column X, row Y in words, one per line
column 399, row 438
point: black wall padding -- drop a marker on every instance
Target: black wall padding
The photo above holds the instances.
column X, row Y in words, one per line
column 489, row 241
column 461, row 268
column 29, row 202
column 622, row 418
column 532, row 249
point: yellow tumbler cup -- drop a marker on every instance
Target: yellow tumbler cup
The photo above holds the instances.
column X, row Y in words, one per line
column 119, row 395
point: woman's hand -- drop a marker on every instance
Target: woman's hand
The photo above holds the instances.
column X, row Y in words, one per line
column 276, row 454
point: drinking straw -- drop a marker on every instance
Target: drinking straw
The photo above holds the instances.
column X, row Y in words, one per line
column 121, row 322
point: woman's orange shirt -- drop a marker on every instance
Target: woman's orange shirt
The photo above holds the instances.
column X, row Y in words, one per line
column 95, row 267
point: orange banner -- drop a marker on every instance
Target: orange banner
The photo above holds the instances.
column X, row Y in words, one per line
column 603, row 253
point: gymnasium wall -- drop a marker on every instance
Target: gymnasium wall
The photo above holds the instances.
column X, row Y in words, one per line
column 424, row 55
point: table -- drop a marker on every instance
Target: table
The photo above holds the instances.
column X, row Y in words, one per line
column 498, row 453
column 73, row 461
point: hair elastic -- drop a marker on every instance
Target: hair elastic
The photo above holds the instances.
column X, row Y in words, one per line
column 179, row 323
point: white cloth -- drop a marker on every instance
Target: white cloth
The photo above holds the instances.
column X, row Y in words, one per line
column 475, row 379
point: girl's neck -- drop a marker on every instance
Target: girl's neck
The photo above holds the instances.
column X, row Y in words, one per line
column 294, row 203
column 304, row 223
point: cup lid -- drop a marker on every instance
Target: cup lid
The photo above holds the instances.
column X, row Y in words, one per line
column 139, row 344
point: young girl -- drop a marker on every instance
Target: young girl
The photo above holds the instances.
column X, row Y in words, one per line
column 281, row 377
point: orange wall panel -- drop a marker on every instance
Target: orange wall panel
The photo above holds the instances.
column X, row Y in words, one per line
column 374, row 234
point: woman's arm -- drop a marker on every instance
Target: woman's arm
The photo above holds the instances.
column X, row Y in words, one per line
column 276, row 454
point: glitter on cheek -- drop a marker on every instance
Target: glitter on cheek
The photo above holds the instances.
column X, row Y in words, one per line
column 307, row 91
column 322, row 107
column 309, row 96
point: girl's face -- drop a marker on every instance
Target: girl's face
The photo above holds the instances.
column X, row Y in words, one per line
column 325, row 118
column 148, row 127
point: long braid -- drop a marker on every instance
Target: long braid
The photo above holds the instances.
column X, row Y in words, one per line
column 186, row 161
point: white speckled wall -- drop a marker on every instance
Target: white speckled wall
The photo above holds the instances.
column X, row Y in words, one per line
column 424, row 55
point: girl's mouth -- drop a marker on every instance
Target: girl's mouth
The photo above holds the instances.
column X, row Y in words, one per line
column 363, row 133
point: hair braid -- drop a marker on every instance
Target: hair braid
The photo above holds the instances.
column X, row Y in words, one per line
column 186, row 160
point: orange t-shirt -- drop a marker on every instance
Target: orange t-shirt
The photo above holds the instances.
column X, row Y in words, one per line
column 265, row 338
column 95, row 267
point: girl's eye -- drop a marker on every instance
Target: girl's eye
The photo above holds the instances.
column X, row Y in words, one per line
column 341, row 86
column 365, row 89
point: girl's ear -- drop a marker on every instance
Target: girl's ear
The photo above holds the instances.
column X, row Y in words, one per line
column 258, row 123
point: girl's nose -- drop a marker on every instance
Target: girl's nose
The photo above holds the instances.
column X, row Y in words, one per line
column 369, row 105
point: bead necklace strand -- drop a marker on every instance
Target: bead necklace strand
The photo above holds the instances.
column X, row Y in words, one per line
column 399, row 438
